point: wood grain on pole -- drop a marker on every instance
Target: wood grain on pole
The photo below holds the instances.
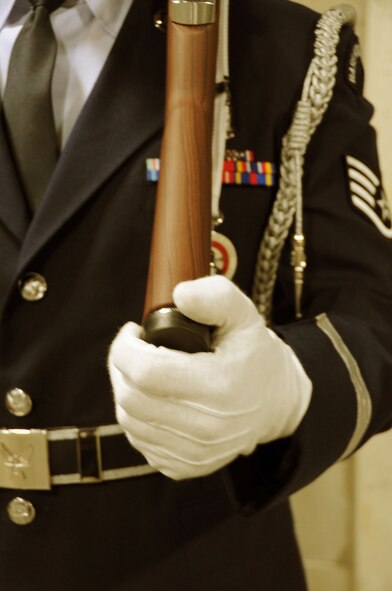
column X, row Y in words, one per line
column 180, row 247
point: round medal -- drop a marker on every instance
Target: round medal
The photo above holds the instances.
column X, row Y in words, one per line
column 224, row 255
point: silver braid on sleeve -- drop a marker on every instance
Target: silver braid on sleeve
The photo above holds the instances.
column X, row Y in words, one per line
column 288, row 206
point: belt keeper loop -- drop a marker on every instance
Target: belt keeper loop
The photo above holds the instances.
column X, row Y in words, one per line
column 89, row 456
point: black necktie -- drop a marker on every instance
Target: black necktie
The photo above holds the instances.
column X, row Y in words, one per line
column 27, row 101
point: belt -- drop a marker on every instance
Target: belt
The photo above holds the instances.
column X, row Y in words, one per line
column 37, row 459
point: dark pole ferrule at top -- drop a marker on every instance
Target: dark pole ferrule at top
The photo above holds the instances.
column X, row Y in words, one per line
column 50, row 5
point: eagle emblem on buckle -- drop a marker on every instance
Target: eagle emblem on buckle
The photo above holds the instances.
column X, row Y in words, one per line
column 24, row 459
column 16, row 462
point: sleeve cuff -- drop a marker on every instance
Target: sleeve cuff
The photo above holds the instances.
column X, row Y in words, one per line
column 331, row 428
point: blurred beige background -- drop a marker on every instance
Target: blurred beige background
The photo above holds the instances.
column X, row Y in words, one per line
column 344, row 520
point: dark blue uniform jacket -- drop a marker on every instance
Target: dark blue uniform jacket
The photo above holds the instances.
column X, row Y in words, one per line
column 90, row 239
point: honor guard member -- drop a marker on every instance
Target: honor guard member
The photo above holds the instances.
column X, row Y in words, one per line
column 183, row 481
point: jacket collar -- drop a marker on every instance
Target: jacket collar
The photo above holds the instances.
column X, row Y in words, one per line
column 111, row 13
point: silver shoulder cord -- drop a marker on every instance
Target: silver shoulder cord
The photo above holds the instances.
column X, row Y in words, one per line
column 316, row 96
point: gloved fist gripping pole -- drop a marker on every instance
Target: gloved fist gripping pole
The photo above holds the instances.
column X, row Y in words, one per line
column 180, row 249
column 190, row 415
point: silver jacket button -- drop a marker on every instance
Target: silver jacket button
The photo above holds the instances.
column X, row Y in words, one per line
column 20, row 511
column 32, row 287
column 18, row 402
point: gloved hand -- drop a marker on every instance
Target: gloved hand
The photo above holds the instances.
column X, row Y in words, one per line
column 191, row 414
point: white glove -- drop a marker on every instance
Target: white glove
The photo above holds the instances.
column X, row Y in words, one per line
column 191, row 414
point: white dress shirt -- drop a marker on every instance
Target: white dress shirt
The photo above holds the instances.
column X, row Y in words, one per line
column 85, row 31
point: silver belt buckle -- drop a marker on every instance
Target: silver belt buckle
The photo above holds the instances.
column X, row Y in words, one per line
column 24, row 459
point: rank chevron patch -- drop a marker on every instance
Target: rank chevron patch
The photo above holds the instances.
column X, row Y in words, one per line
column 368, row 196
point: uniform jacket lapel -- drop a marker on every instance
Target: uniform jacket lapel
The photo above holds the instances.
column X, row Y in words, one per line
column 124, row 110
column 14, row 213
